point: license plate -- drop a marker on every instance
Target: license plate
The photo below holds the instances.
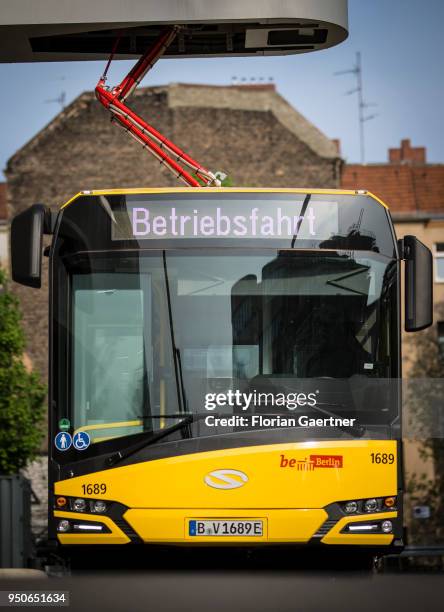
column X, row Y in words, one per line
column 216, row 528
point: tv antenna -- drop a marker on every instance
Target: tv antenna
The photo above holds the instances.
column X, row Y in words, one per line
column 60, row 100
column 362, row 104
column 252, row 80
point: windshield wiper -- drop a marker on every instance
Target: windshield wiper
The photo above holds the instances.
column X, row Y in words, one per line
column 185, row 422
column 301, row 218
column 180, row 387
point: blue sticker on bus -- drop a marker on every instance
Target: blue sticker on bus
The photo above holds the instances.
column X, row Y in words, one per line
column 81, row 440
column 192, row 528
column 62, row 441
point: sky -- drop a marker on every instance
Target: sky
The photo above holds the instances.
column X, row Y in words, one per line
column 402, row 50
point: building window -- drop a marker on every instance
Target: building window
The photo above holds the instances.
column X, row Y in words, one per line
column 439, row 262
column 440, row 331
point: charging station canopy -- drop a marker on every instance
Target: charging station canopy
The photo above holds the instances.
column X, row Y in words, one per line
column 63, row 30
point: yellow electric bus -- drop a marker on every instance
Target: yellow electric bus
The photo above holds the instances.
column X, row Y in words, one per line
column 225, row 365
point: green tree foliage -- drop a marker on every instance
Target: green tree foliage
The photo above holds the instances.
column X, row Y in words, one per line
column 21, row 393
column 424, row 399
column 227, row 182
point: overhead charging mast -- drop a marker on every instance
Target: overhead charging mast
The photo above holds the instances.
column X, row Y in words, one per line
column 114, row 99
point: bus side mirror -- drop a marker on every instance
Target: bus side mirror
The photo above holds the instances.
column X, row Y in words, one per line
column 418, row 284
column 27, row 229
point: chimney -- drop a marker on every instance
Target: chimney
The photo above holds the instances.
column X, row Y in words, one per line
column 407, row 154
column 337, row 144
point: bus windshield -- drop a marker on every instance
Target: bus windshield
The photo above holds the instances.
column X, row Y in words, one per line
column 157, row 333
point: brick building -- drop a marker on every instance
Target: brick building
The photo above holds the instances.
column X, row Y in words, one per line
column 414, row 192
column 407, row 183
column 249, row 132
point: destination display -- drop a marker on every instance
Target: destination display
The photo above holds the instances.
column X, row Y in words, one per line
column 297, row 219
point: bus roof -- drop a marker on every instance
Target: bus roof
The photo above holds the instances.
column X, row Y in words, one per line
column 204, row 191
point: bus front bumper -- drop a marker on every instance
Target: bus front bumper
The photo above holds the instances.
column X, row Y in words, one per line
column 276, row 526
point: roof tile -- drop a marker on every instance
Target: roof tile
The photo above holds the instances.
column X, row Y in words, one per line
column 402, row 187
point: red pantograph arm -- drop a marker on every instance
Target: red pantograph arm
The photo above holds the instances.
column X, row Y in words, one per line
column 152, row 140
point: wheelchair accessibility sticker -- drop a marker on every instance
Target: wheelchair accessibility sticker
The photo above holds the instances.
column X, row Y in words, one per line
column 81, row 440
column 63, row 441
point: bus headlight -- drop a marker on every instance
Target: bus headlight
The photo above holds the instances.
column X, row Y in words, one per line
column 387, row 527
column 371, row 505
column 79, row 505
column 99, row 506
column 63, row 526
column 351, row 507
column 87, row 527
column 367, row 506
